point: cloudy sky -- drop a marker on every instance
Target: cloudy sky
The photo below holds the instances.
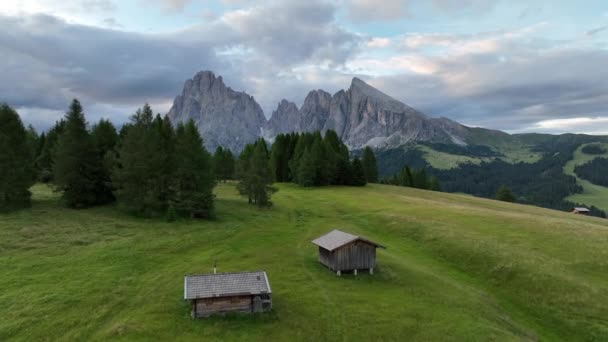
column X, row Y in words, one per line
column 514, row 65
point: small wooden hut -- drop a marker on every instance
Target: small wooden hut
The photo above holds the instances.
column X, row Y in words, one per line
column 228, row 292
column 341, row 251
column 580, row 210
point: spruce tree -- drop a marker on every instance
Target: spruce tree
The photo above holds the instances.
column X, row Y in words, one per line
column 505, row 194
column 104, row 137
column 16, row 162
column 44, row 161
column 318, row 155
column 228, row 164
column 218, row 161
column 77, row 168
column 358, row 174
column 306, row 169
column 193, row 180
column 133, row 175
column 244, row 174
column 369, row 165
column 261, row 175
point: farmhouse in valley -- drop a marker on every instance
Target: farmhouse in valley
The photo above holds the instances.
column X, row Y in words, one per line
column 341, row 251
column 580, row 210
column 228, row 292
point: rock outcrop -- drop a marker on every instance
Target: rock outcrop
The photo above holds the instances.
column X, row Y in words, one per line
column 223, row 116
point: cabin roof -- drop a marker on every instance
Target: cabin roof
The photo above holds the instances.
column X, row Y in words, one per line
column 580, row 209
column 337, row 238
column 225, row 284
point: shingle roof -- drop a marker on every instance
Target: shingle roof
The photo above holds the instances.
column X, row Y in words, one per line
column 337, row 238
column 225, row 284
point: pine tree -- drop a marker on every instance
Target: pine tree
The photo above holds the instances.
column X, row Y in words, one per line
column 133, row 175
column 228, row 164
column 193, row 180
column 244, row 174
column 223, row 164
column 17, row 172
column 77, row 168
column 369, row 165
column 105, row 138
column 306, row 169
column 318, row 155
column 358, row 174
column 261, row 175
column 505, row 194
column 218, row 161
column 44, row 161
column 279, row 158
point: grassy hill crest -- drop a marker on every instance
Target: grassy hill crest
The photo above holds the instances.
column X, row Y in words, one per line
column 455, row 268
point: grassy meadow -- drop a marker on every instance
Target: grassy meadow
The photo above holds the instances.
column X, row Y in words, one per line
column 592, row 194
column 455, row 268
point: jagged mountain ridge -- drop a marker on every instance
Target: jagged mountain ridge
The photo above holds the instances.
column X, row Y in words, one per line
column 361, row 115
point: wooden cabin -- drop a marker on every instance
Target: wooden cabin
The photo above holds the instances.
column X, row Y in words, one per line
column 222, row 293
column 341, row 251
column 581, row 211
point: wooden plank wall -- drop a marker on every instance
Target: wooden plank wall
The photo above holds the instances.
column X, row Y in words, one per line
column 208, row 306
column 357, row 255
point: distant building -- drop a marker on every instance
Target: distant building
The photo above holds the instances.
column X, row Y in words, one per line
column 228, row 292
column 580, row 210
column 341, row 251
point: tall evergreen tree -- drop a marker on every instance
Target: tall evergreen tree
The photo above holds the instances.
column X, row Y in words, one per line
column 255, row 174
column 77, row 168
column 306, row 169
column 244, row 174
column 279, row 158
column 358, row 174
column 193, row 180
column 105, row 137
column 16, row 162
column 320, row 161
column 223, row 164
column 369, row 165
column 44, row 161
column 261, row 175
column 133, row 175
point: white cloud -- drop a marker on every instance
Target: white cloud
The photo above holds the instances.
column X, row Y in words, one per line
column 588, row 125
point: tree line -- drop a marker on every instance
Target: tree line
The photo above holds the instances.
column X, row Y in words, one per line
column 308, row 159
column 414, row 178
column 151, row 168
column 594, row 171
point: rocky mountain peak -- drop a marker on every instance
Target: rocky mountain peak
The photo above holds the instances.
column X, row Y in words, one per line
column 361, row 115
column 223, row 116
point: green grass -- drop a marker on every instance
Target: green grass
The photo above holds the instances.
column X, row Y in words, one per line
column 446, row 161
column 456, row 268
column 593, row 194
